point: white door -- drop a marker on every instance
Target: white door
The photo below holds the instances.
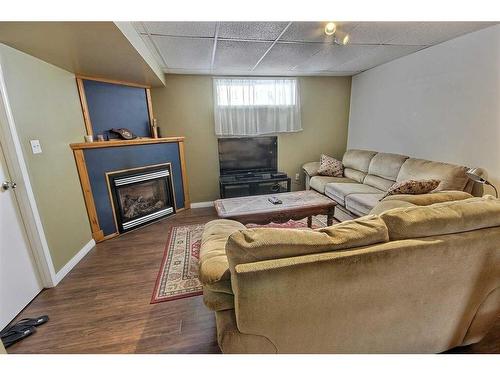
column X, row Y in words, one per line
column 19, row 279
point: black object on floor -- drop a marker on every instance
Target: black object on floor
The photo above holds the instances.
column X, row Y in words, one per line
column 21, row 329
column 17, row 334
column 32, row 322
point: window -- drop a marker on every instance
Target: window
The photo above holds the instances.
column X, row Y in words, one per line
column 255, row 106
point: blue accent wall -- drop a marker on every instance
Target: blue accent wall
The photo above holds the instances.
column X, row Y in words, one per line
column 117, row 106
column 99, row 161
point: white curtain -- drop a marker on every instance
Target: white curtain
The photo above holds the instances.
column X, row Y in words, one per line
column 255, row 106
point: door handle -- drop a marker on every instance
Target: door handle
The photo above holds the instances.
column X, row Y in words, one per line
column 6, row 185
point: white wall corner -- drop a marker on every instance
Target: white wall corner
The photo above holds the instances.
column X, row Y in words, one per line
column 74, row 261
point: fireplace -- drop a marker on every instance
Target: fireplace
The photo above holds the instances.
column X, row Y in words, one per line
column 141, row 195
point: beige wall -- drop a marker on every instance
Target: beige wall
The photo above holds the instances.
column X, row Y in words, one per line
column 441, row 103
column 185, row 107
column 45, row 105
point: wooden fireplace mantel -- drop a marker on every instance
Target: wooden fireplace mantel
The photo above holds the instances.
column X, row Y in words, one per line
column 124, row 142
column 78, row 152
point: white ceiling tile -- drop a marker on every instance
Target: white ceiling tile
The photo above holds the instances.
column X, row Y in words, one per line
column 332, row 57
column 251, row 30
column 185, row 53
column 241, row 55
column 188, row 29
column 377, row 56
column 284, row 56
column 429, row 33
column 375, row 32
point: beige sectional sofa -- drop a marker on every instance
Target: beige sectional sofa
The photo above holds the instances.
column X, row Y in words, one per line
column 422, row 276
column 369, row 174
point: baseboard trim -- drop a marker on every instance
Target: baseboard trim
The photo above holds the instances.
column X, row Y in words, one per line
column 74, row 261
column 202, row 204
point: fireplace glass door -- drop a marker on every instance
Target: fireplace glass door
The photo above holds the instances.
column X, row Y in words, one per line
column 140, row 197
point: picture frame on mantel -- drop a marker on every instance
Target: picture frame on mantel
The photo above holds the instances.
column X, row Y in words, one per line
column 108, row 103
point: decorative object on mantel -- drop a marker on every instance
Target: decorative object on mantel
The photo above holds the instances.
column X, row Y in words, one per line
column 123, row 133
column 154, row 129
column 88, row 138
column 100, row 138
column 478, row 175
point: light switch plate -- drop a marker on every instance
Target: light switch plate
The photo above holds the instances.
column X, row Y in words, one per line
column 36, row 147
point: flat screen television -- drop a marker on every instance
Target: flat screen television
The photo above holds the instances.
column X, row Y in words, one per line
column 248, row 155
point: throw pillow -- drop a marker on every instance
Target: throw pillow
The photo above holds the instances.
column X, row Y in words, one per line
column 413, row 187
column 330, row 167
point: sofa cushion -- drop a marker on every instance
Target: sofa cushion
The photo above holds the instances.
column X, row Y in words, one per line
column 389, row 205
column 354, row 175
column 253, row 245
column 413, row 187
column 383, row 170
column 214, row 268
column 330, row 166
column 338, row 192
column 378, row 182
column 318, row 183
column 398, row 201
column 386, row 165
column 431, row 198
column 358, row 159
column 362, row 204
column 442, row 218
column 452, row 177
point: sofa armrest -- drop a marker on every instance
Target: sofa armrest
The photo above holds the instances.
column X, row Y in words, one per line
column 213, row 265
column 311, row 168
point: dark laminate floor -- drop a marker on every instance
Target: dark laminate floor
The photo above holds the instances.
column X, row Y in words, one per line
column 103, row 306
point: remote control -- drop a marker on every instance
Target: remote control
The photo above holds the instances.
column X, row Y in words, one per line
column 274, row 200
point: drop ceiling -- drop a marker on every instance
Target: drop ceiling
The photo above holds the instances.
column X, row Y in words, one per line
column 288, row 48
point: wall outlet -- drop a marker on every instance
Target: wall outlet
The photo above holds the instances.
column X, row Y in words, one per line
column 36, row 147
column 297, row 176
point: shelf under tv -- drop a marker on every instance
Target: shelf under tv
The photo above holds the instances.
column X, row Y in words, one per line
column 240, row 185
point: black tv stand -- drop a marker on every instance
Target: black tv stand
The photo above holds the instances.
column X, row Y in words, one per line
column 253, row 183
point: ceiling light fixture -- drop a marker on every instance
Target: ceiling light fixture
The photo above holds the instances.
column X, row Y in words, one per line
column 330, row 28
column 340, row 38
column 345, row 39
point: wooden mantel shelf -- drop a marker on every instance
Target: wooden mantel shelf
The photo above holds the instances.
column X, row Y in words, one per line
column 124, row 142
column 78, row 150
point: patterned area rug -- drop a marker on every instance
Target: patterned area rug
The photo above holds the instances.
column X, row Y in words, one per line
column 178, row 275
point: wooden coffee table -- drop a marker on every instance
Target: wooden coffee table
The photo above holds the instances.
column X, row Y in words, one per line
column 258, row 210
